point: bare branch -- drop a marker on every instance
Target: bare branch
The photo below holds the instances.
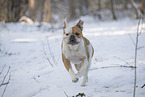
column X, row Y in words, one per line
column 5, row 77
column 121, row 60
column 2, row 69
column 66, row 94
column 135, row 58
column 141, row 26
column 143, row 86
column 51, row 52
column 36, row 80
column 131, row 39
column 47, row 56
column 6, row 85
column 112, row 67
column 140, row 47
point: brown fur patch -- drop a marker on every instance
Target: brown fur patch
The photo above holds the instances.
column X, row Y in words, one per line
column 76, row 67
column 66, row 62
column 63, row 31
column 86, row 42
column 77, row 30
column 92, row 51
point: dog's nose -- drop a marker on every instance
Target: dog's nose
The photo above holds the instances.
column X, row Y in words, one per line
column 72, row 38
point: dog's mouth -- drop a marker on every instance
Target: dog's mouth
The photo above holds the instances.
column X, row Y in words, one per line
column 73, row 43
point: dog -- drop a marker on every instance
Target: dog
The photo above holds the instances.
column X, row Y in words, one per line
column 77, row 50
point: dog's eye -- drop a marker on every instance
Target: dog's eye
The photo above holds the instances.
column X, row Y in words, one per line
column 67, row 34
column 77, row 34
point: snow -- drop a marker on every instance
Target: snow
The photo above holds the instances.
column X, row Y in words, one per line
column 33, row 76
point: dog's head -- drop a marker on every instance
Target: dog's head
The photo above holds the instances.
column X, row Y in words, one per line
column 73, row 35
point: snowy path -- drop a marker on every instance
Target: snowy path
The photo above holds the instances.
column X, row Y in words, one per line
column 33, row 76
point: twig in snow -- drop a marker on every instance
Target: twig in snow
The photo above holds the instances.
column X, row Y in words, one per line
column 51, row 52
column 78, row 95
column 121, row 60
column 66, row 94
column 47, row 56
column 143, row 86
column 6, row 85
column 112, row 67
column 140, row 47
column 5, row 77
column 2, row 69
column 36, row 80
column 131, row 39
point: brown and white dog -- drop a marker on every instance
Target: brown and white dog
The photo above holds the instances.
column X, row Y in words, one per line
column 78, row 50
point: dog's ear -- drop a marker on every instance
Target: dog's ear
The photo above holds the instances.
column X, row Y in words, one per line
column 80, row 24
column 65, row 24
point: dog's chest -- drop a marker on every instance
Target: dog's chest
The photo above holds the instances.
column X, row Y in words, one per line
column 75, row 56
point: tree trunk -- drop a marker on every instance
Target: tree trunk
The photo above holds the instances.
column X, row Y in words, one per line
column 47, row 14
column 15, row 8
column 83, row 7
column 73, row 9
column 142, row 6
column 125, row 2
column 78, row 8
column 99, row 9
column 4, row 6
column 112, row 9
column 99, row 5
column 31, row 9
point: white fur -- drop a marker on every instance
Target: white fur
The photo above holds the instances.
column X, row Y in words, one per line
column 76, row 54
column 73, row 75
column 85, row 76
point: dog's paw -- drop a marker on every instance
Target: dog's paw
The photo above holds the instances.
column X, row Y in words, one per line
column 83, row 85
column 75, row 80
column 85, row 80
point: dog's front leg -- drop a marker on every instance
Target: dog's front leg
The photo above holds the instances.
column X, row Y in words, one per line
column 83, row 67
column 69, row 69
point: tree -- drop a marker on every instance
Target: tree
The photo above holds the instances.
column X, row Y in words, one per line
column 47, row 14
column 77, row 8
column 40, row 10
column 112, row 9
column 142, row 6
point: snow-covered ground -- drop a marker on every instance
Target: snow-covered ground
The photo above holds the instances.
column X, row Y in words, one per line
column 26, row 47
